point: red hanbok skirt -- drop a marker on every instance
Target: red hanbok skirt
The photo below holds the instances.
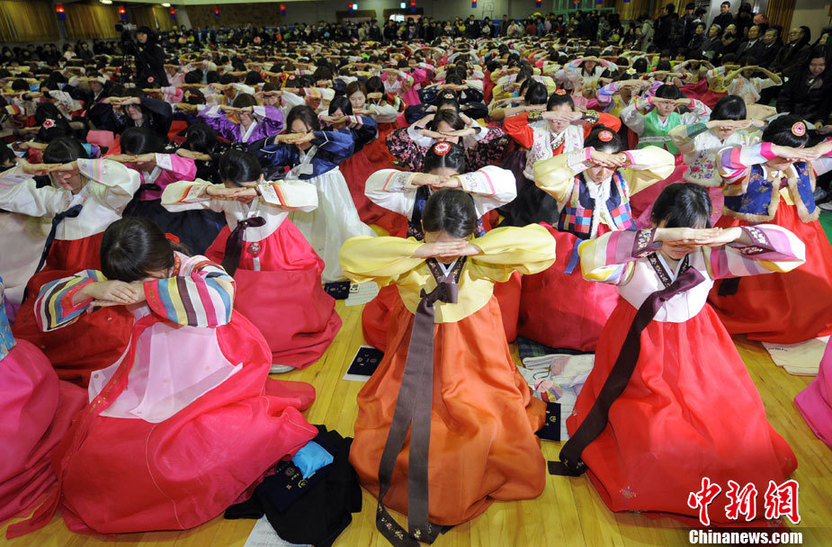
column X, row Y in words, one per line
column 103, row 335
column 128, row 475
column 562, row 310
column 35, row 412
column 689, row 411
column 783, row 308
column 284, row 298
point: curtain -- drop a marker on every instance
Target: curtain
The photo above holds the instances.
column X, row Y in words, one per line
column 84, row 21
column 779, row 12
column 155, row 17
column 27, row 21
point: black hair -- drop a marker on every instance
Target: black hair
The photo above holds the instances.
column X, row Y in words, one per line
column 340, row 101
column 453, row 159
column 451, row 211
column 200, row 137
column 193, row 77
column 666, row 91
column 7, row 157
column 244, row 100
column 611, row 146
column 556, row 99
column 664, row 65
column 306, row 115
column 450, row 117
column 354, row 87
column 237, row 166
column 729, row 107
column 445, row 101
column 194, row 96
column 536, row 93
column 780, row 132
column 212, row 76
column 132, row 247
column 682, row 205
column 453, row 77
column 253, row 78
column 640, row 65
column 141, row 140
column 64, row 150
column 374, row 85
column 20, row 85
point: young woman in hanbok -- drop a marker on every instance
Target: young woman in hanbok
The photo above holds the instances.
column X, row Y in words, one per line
column 277, row 273
column 186, row 421
column 406, row 193
column 244, row 122
column 447, row 369
column 558, row 130
column 84, row 198
column 700, row 143
column 669, row 401
column 773, row 182
column 652, row 118
column 144, row 152
column 592, row 188
column 35, row 412
column 312, row 155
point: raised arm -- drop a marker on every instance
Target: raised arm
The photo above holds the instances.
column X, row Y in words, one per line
column 205, row 298
column 380, row 259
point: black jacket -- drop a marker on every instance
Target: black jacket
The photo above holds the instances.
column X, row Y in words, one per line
column 807, row 97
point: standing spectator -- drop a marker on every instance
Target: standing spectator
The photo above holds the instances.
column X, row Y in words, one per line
column 666, row 28
column 725, row 17
column 504, row 24
column 647, row 33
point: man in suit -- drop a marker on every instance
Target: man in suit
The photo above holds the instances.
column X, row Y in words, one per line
column 752, row 47
column 771, row 46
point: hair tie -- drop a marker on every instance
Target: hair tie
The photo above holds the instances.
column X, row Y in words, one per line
column 560, row 92
column 441, row 148
column 605, row 136
column 670, row 83
column 48, row 123
column 799, row 129
column 171, row 238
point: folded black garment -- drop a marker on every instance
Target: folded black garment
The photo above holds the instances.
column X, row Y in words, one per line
column 313, row 510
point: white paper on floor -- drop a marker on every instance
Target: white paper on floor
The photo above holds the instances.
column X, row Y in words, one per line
column 361, row 293
column 263, row 535
column 801, row 359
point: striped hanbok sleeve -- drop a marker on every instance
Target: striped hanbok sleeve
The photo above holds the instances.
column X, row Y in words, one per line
column 204, row 298
column 609, row 258
column 774, row 249
column 54, row 308
column 732, row 163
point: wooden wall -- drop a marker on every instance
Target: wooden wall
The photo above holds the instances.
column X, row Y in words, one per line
column 28, row 21
column 85, row 21
column 238, row 15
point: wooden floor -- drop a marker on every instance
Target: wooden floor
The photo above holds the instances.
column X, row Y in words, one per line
column 569, row 512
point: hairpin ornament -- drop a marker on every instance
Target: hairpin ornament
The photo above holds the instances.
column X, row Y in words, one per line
column 799, row 129
column 48, row 123
column 441, row 148
column 171, row 237
column 605, row 136
column 560, row 92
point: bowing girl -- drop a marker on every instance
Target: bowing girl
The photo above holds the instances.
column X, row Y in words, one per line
column 473, row 423
column 774, row 182
column 278, row 275
column 192, row 373
column 313, row 156
column 665, row 367
column 84, row 197
column 592, row 188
